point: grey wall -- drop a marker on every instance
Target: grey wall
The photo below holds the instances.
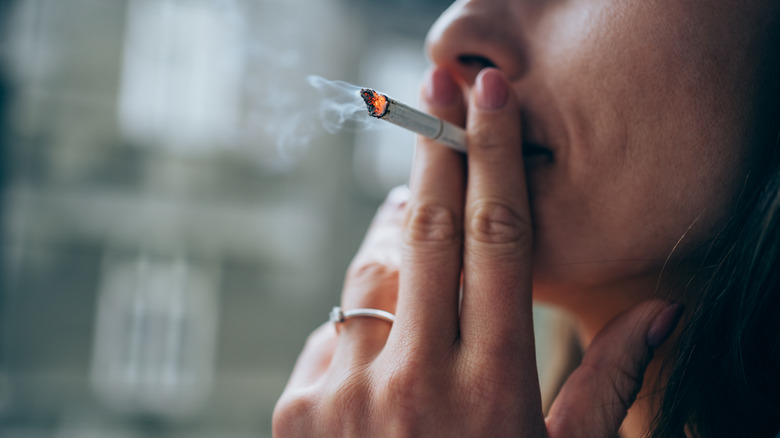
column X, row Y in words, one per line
column 163, row 260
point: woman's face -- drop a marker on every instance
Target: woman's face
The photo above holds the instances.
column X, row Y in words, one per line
column 647, row 110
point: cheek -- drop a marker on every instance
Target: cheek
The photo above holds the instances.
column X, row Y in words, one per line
column 587, row 235
column 651, row 156
column 630, row 184
column 624, row 212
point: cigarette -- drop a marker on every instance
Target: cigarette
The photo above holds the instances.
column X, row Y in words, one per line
column 386, row 108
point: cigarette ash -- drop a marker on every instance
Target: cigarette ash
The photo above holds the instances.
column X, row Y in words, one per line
column 377, row 104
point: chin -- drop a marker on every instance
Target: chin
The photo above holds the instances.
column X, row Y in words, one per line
column 575, row 281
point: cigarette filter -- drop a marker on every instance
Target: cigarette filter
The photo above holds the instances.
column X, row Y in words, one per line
column 386, row 108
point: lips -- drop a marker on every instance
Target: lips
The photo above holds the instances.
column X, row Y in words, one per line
column 535, row 154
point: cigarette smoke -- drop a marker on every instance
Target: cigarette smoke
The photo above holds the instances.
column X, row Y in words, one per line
column 304, row 116
column 341, row 106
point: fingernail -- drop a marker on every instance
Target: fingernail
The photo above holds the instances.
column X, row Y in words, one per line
column 663, row 325
column 491, row 89
column 442, row 88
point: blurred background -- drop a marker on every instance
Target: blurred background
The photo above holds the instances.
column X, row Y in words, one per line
column 171, row 229
column 173, row 225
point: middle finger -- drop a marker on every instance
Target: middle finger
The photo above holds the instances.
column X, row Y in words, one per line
column 496, row 309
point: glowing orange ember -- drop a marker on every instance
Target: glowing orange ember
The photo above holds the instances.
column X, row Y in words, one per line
column 377, row 103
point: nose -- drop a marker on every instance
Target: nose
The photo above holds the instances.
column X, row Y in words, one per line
column 474, row 34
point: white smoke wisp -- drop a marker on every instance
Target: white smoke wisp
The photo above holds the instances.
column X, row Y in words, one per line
column 341, row 107
column 304, row 115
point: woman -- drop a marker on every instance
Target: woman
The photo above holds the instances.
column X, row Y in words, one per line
column 622, row 164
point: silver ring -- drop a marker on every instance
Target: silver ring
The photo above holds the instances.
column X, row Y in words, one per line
column 338, row 315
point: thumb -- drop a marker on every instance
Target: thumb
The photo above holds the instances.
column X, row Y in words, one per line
column 595, row 398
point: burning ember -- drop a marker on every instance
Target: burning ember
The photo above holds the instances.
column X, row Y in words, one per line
column 377, row 103
column 388, row 109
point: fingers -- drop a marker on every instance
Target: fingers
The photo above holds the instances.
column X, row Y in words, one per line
column 496, row 314
column 380, row 251
column 596, row 397
column 372, row 281
column 314, row 359
column 430, row 268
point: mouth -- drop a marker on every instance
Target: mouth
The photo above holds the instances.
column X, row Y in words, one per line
column 535, row 154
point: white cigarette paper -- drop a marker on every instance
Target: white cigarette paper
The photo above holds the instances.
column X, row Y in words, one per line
column 386, row 108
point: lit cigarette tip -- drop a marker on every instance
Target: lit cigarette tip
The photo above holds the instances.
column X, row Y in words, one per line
column 377, row 103
column 393, row 111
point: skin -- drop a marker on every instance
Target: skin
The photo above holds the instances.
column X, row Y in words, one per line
column 645, row 111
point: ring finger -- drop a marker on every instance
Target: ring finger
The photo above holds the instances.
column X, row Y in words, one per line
column 372, row 282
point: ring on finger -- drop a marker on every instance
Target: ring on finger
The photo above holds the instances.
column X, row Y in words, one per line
column 337, row 315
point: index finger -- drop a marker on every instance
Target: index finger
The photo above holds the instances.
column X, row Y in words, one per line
column 496, row 311
column 427, row 313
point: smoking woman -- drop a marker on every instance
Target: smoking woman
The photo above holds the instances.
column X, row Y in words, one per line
column 654, row 227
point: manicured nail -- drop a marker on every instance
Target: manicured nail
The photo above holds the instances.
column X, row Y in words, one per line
column 491, row 89
column 663, row 325
column 442, row 88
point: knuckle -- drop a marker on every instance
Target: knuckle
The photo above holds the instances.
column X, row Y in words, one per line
column 320, row 335
column 346, row 403
column 404, row 380
column 621, row 374
column 407, row 390
column 496, row 223
column 627, row 374
column 371, row 284
column 431, row 223
column 371, row 271
column 291, row 415
column 625, row 384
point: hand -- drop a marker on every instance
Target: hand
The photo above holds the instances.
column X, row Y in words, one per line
column 450, row 368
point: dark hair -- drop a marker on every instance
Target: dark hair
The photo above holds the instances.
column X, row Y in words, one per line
column 724, row 374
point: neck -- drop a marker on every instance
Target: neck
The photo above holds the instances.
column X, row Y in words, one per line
column 591, row 310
